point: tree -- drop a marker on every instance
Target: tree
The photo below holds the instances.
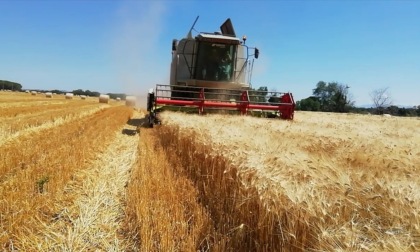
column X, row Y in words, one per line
column 9, row 85
column 309, row 104
column 380, row 99
column 333, row 97
column 78, row 92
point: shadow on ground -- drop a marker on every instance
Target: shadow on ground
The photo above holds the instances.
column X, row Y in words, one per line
column 138, row 122
column 135, row 122
column 130, row 132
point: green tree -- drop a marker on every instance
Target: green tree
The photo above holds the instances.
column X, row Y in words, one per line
column 309, row 104
column 333, row 97
column 9, row 85
column 78, row 92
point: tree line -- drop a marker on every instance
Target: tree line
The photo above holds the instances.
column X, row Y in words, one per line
column 9, row 85
column 14, row 86
column 326, row 97
column 335, row 97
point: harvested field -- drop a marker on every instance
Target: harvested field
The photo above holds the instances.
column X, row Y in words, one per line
column 93, row 202
column 35, row 168
column 343, row 182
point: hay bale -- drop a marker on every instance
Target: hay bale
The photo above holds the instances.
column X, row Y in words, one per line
column 103, row 98
column 118, row 99
column 33, row 92
column 48, row 95
column 69, row 96
column 83, row 97
column 130, row 101
column 27, row 91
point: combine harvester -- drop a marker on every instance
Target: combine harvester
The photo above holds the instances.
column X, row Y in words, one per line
column 212, row 73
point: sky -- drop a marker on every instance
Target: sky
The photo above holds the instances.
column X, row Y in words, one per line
column 125, row 46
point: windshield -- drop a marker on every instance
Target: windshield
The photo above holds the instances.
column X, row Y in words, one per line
column 215, row 62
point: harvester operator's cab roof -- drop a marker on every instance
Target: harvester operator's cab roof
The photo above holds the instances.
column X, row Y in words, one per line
column 217, row 38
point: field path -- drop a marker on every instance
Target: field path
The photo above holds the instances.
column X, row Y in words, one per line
column 93, row 220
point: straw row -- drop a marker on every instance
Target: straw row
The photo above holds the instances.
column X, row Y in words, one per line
column 14, row 127
column 35, row 168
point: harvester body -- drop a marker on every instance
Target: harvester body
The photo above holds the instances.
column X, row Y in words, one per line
column 212, row 72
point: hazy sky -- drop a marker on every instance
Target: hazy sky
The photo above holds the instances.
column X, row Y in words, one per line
column 125, row 46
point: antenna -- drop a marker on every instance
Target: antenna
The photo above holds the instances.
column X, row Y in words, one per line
column 189, row 35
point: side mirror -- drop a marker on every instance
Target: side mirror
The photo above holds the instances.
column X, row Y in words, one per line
column 174, row 44
column 256, row 53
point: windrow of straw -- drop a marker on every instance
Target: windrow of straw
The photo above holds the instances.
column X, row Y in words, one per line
column 30, row 108
column 35, row 169
column 96, row 209
column 12, row 127
column 12, row 97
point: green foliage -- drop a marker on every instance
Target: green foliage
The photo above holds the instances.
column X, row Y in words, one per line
column 9, row 85
column 309, row 104
column 333, row 97
column 87, row 93
column 392, row 110
column 56, row 91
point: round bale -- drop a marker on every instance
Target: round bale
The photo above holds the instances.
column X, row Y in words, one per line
column 48, row 94
column 33, row 92
column 83, row 97
column 118, row 99
column 130, row 101
column 103, row 98
column 69, row 96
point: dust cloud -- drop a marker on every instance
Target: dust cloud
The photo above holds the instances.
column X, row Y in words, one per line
column 139, row 61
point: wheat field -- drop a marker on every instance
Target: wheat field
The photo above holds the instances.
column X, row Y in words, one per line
column 344, row 181
column 79, row 175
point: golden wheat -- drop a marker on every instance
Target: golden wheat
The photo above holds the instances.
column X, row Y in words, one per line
column 349, row 180
column 162, row 211
column 13, row 127
column 35, row 168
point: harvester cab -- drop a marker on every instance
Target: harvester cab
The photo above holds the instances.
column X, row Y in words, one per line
column 212, row 72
